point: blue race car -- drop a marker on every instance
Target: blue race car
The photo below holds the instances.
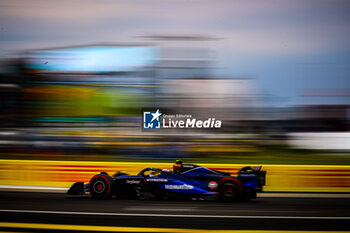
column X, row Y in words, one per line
column 186, row 181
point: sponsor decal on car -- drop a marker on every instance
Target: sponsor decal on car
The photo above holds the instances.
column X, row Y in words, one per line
column 213, row 185
column 247, row 175
column 183, row 186
column 133, row 181
column 156, row 180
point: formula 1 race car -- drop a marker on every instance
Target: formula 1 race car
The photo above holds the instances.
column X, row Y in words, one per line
column 187, row 181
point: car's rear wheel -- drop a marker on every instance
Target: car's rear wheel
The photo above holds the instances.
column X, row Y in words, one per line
column 101, row 186
column 230, row 190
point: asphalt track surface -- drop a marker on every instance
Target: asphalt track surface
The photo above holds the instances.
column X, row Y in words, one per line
column 265, row 213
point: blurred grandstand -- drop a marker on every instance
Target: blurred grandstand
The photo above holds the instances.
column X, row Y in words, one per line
column 85, row 103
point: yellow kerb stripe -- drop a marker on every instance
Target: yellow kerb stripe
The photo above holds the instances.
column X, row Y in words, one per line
column 136, row 229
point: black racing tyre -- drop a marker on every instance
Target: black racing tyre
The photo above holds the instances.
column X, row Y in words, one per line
column 101, row 186
column 230, row 190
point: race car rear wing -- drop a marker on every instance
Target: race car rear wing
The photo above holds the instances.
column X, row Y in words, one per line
column 250, row 174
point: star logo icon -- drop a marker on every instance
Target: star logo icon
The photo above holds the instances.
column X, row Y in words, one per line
column 151, row 119
column 156, row 115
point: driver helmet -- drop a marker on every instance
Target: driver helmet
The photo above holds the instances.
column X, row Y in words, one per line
column 166, row 171
column 177, row 166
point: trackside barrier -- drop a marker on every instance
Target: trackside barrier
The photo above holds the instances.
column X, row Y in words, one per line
column 280, row 178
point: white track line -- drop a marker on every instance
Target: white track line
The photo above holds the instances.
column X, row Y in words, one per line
column 150, row 208
column 172, row 215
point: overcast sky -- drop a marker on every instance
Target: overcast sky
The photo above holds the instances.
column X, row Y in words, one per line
column 286, row 46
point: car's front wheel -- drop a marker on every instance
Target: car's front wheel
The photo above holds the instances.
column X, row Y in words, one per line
column 101, row 186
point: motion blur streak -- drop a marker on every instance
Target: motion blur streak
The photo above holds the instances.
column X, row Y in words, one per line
column 177, row 215
column 281, row 178
column 79, row 80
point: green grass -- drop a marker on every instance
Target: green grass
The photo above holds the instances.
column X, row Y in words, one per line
column 267, row 155
column 264, row 155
